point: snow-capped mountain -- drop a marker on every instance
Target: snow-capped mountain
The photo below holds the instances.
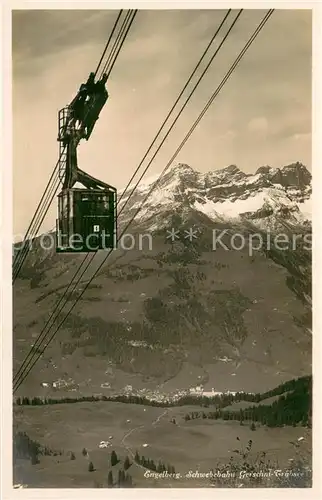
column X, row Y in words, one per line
column 269, row 198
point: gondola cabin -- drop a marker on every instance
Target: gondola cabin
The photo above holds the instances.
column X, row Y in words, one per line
column 86, row 220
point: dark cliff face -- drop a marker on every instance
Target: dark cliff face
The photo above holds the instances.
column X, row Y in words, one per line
column 273, row 175
column 293, row 175
column 296, row 175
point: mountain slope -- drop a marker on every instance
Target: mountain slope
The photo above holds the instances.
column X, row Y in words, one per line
column 174, row 312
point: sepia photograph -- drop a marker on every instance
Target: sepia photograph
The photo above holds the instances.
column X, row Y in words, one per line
column 162, row 248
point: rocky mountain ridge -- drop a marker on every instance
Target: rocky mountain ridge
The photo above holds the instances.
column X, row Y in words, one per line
column 268, row 198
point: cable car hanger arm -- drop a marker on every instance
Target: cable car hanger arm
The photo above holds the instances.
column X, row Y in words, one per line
column 91, row 182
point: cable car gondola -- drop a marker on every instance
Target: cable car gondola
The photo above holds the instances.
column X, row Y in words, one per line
column 86, row 216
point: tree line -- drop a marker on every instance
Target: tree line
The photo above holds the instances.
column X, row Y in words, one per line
column 219, row 401
column 291, row 408
column 123, row 480
column 151, row 465
column 26, row 448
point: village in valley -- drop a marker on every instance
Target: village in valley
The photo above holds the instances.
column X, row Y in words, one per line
column 150, row 394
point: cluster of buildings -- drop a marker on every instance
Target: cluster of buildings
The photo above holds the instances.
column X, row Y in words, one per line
column 153, row 394
column 199, row 391
column 156, row 395
column 59, row 384
column 150, row 394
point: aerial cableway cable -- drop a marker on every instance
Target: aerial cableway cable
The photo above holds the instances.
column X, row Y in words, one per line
column 176, row 102
column 127, row 23
column 38, row 344
column 43, row 333
column 108, row 42
column 117, row 47
column 42, row 207
column 197, row 121
column 185, row 104
column 226, row 77
column 32, row 229
column 51, row 192
column 35, row 225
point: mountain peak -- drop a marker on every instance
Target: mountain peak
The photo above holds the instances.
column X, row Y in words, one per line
column 225, row 175
column 296, row 175
column 266, row 170
column 292, row 175
column 231, row 169
column 295, row 166
column 180, row 176
column 182, row 167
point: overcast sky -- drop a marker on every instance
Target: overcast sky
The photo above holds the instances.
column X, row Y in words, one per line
column 261, row 116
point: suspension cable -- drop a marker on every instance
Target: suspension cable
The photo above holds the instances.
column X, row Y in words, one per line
column 108, row 41
column 39, row 220
column 21, row 255
column 177, row 100
column 112, row 62
column 239, row 57
column 118, row 50
column 116, row 42
column 39, row 340
column 35, row 225
column 39, row 207
column 228, row 74
column 185, row 103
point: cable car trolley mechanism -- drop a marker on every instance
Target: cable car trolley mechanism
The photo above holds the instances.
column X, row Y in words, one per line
column 86, row 216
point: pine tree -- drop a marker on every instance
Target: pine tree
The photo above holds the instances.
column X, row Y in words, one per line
column 137, row 457
column 34, row 459
column 127, row 463
column 114, row 459
column 121, row 478
column 110, row 479
column 153, row 466
column 90, row 467
column 159, row 467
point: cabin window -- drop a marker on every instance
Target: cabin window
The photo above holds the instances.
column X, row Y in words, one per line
column 65, row 206
column 59, row 206
column 71, row 204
